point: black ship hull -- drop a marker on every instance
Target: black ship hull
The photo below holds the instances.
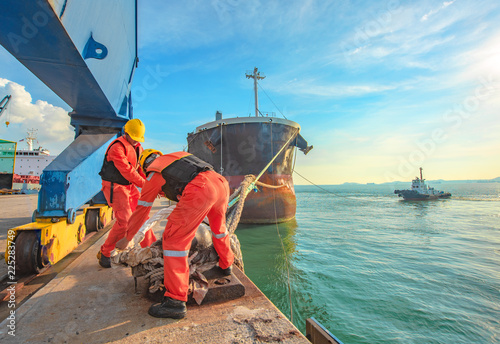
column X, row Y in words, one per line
column 240, row 146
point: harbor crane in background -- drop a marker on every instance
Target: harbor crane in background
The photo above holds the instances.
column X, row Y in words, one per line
column 90, row 65
column 3, row 106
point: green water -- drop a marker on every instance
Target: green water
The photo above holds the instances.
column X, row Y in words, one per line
column 374, row 269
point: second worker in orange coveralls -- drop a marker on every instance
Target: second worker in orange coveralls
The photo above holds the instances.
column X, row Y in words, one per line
column 121, row 175
column 200, row 192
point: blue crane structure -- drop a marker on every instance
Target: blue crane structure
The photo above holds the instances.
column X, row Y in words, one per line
column 85, row 51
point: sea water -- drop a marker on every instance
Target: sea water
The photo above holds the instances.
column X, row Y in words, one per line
column 373, row 268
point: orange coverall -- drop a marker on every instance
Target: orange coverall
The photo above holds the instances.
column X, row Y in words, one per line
column 125, row 197
column 205, row 196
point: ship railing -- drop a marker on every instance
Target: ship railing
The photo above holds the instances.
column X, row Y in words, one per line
column 266, row 114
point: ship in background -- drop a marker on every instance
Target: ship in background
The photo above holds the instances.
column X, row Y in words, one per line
column 30, row 163
column 245, row 145
column 420, row 191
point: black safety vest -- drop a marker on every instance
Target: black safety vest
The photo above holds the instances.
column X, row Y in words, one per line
column 179, row 173
column 109, row 172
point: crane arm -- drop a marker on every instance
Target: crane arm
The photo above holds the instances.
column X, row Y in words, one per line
column 3, row 103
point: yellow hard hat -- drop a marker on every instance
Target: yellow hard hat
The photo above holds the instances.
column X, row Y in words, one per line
column 135, row 129
column 146, row 154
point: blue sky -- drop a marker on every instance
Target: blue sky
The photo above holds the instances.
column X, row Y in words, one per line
column 380, row 88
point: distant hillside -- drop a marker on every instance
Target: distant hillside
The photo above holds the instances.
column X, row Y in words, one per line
column 439, row 181
column 401, row 184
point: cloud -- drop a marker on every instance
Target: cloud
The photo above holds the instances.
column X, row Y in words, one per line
column 176, row 27
column 483, row 61
column 314, row 87
column 434, row 11
column 398, row 38
column 51, row 122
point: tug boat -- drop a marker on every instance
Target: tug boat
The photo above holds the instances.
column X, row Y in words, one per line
column 420, row 191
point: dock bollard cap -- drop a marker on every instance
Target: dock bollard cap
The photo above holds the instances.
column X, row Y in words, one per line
column 135, row 129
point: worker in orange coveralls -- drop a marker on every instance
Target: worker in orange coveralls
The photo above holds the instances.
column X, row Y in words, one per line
column 121, row 175
column 200, row 192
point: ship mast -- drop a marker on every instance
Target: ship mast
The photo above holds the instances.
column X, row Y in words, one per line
column 255, row 76
column 421, row 178
column 31, row 138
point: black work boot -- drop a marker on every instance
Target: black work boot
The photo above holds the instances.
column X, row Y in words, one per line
column 227, row 271
column 168, row 308
column 104, row 261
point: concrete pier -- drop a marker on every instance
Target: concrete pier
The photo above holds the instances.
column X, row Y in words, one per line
column 85, row 303
column 15, row 210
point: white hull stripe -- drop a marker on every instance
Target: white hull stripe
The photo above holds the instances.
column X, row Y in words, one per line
column 219, row 236
column 170, row 253
column 145, row 204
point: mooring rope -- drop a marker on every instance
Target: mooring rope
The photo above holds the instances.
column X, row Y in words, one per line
column 234, row 214
column 287, row 263
column 319, row 187
column 251, row 186
column 269, row 186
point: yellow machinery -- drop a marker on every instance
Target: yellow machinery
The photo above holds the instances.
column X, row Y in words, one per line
column 46, row 241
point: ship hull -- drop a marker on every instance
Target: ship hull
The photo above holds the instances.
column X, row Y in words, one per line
column 238, row 147
column 268, row 205
column 28, row 179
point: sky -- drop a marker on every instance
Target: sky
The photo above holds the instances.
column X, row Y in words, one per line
column 379, row 88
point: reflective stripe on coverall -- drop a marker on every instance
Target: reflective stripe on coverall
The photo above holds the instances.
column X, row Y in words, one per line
column 125, row 197
column 205, row 196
